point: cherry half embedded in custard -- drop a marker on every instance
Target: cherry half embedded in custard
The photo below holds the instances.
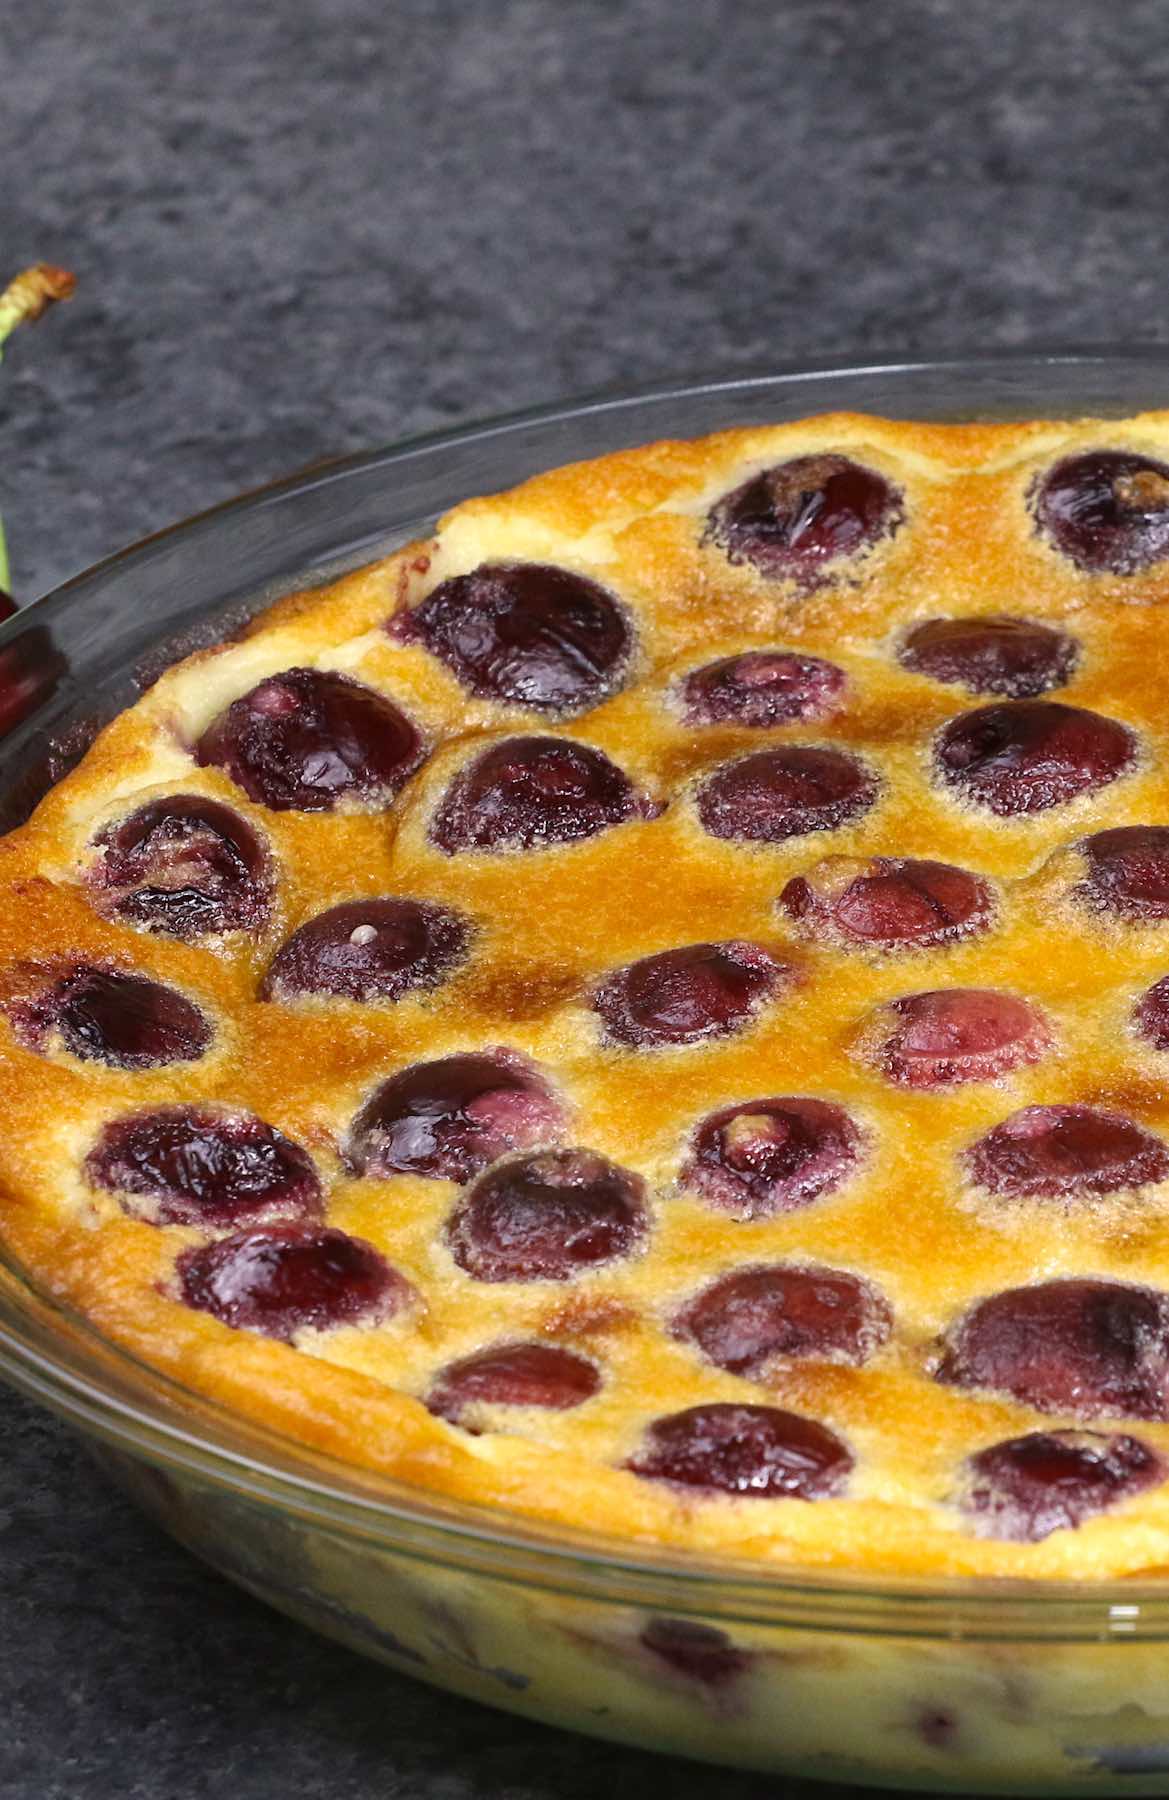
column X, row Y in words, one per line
column 762, row 688
column 186, row 867
column 952, row 1035
column 370, row 950
column 547, row 1216
column 527, row 634
column 1080, row 1346
column 193, row 1165
column 283, row 1279
column 682, row 996
column 758, row 1452
column 771, row 795
column 1151, row 1015
column 991, row 654
column 306, row 739
column 1024, row 756
column 745, row 1321
column 1127, row 872
column 798, row 518
column 106, row 1015
column 888, row 902
column 771, row 1156
column 529, row 1374
column 1066, row 1152
column 529, row 792
column 446, row 1120
column 1106, row 510
column 1026, row 1488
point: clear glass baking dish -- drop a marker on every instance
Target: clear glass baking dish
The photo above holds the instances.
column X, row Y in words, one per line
column 1020, row 1688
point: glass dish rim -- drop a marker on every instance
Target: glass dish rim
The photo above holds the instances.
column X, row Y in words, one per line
column 609, row 398
column 262, row 1466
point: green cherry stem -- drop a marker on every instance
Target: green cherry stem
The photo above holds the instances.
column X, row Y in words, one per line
column 25, row 298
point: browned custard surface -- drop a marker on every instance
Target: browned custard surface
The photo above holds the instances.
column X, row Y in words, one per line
column 651, row 1009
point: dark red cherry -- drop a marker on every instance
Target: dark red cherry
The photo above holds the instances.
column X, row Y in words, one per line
column 890, row 902
column 1026, row 1488
column 370, row 950
column 1027, row 755
column 527, row 792
column 192, row 1165
column 800, row 516
column 775, row 794
column 1051, row 1152
column 282, row 1279
column 31, row 668
column 1017, row 658
column 1128, row 872
column 185, row 866
column 700, row 1652
column 749, row 1319
column 306, row 739
column 937, row 1727
column 681, row 996
column 762, row 688
column 771, row 1156
column 1083, row 1347
column 527, row 634
column 758, row 1452
column 105, row 1015
column 547, row 1217
column 514, row 1375
column 1152, row 1014
column 1107, row 510
column 951, row 1035
column 446, row 1120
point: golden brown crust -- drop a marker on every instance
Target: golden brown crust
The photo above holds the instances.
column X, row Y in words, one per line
column 549, row 923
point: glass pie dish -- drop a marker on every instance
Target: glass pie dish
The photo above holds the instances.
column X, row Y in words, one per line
column 972, row 1686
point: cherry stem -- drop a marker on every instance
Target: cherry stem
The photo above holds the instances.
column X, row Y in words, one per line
column 26, row 297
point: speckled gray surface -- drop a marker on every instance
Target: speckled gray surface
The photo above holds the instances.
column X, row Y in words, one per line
column 305, row 228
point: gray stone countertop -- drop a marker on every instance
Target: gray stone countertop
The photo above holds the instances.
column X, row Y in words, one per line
column 302, row 228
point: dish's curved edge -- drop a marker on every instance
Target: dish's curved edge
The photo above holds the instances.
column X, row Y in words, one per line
column 328, row 470
column 262, row 1466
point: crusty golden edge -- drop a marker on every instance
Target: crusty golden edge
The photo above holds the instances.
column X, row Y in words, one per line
column 352, row 1417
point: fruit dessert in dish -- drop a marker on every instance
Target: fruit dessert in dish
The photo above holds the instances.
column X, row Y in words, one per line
column 650, row 1008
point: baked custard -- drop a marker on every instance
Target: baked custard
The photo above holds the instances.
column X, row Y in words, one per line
column 650, row 1008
